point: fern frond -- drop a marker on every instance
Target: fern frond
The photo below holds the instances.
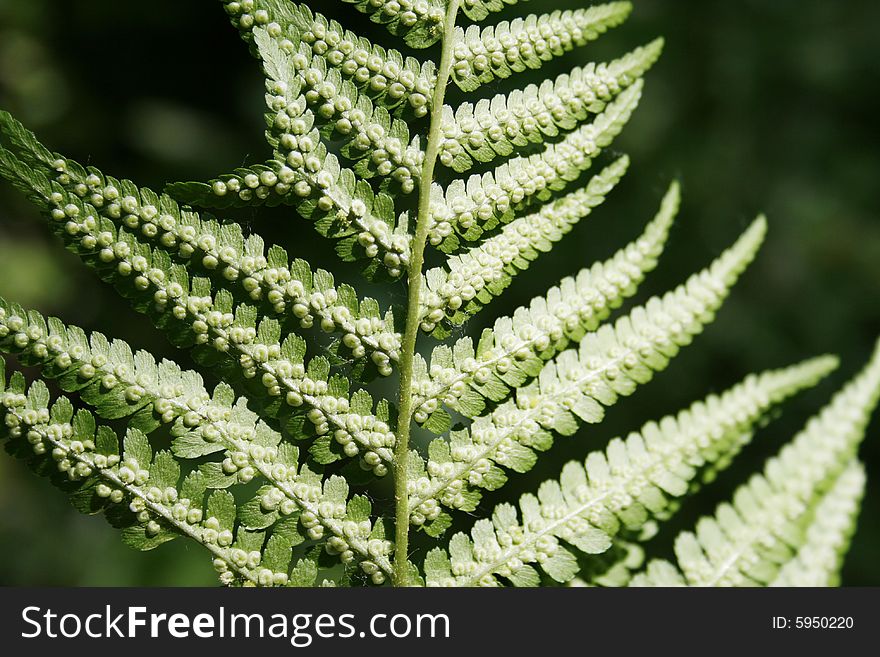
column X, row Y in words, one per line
column 817, row 550
column 121, row 384
column 495, row 128
column 273, row 471
column 342, row 207
column 418, row 22
column 729, row 419
column 573, row 388
column 140, row 494
column 498, row 51
column 477, row 10
column 467, row 209
column 472, row 279
column 628, row 482
column 401, row 84
column 305, row 91
column 289, row 289
column 226, row 334
column 378, row 143
column 819, row 559
column 750, row 538
column 515, row 349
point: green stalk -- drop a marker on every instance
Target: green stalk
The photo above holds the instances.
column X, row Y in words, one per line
column 400, row 576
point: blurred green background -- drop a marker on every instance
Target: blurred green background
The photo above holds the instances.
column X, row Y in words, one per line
column 756, row 106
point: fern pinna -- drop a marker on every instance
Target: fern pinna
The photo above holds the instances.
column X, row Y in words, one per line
column 271, row 471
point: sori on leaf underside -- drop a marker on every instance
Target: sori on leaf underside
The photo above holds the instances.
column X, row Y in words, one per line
column 277, row 471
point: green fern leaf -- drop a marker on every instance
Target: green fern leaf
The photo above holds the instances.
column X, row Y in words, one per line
column 402, row 84
column 273, row 473
column 576, row 304
column 119, row 383
column 819, row 559
column 216, row 325
column 499, row 51
column 496, row 128
column 236, row 263
column 470, row 208
column 620, row 486
column 575, row 386
column 756, row 536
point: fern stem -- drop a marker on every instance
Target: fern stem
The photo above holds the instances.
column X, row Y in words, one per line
column 414, row 281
